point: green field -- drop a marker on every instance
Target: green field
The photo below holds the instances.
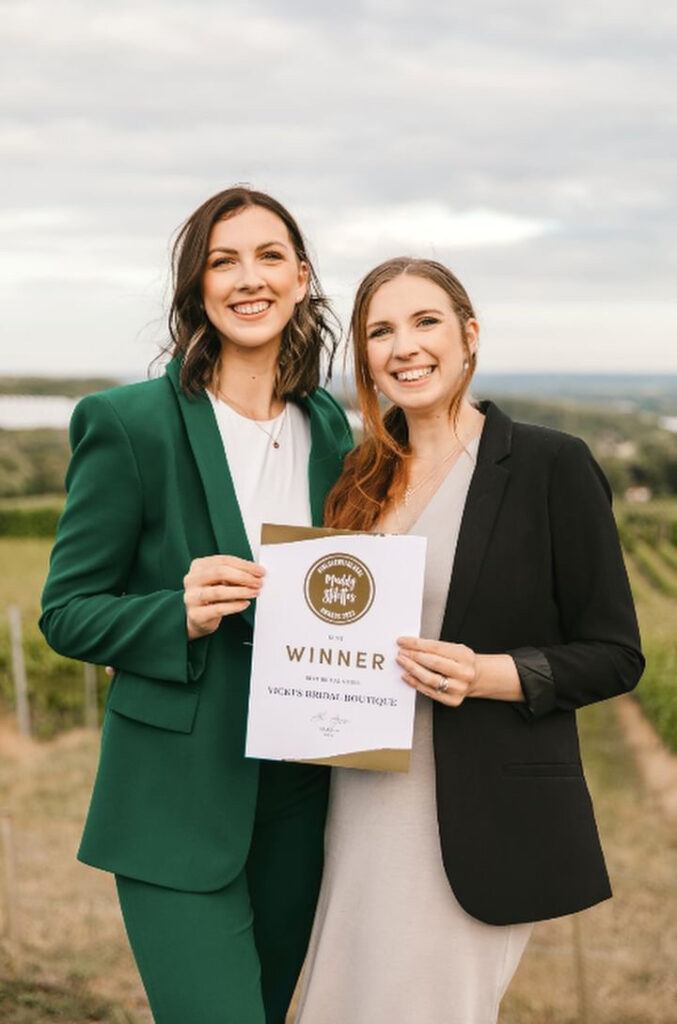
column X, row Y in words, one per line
column 55, row 684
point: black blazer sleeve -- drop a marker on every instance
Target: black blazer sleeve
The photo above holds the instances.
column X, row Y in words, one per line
column 601, row 655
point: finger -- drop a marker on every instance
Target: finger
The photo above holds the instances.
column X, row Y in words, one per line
column 109, row 670
column 417, row 643
column 443, row 665
column 197, row 597
column 228, row 561
column 452, row 700
column 432, row 679
column 209, row 575
column 423, row 675
column 211, row 615
column 222, row 574
column 441, row 647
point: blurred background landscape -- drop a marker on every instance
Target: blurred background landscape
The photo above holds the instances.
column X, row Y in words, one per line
column 63, row 954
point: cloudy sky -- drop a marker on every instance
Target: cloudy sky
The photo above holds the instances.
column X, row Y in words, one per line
column 531, row 148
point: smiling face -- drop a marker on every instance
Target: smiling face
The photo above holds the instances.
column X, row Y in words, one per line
column 252, row 279
column 415, row 346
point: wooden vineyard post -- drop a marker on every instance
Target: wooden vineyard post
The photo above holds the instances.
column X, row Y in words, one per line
column 9, row 876
column 579, row 971
column 91, row 716
column 19, row 671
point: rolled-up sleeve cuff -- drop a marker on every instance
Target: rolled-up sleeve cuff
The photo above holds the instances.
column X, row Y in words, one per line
column 536, row 680
column 197, row 657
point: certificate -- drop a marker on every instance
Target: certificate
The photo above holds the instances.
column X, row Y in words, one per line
column 325, row 683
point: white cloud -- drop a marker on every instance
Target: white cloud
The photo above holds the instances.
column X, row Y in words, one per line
column 424, row 227
column 574, row 336
column 39, row 218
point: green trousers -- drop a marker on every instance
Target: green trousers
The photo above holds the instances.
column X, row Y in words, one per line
column 233, row 956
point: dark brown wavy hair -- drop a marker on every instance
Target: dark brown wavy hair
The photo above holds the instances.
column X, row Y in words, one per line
column 375, row 473
column 312, row 330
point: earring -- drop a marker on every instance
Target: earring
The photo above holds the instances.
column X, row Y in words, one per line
column 466, row 364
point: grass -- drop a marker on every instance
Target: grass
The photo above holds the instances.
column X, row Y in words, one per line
column 627, row 945
column 668, row 552
column 654, row 522
column 658, row 690
column 657, row 569
column 657, row 613
column 55, row 684
column 33, row 501
column 76, row 963
column 23, row 1002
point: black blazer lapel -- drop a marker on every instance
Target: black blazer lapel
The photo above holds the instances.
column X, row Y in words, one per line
column 482, row 505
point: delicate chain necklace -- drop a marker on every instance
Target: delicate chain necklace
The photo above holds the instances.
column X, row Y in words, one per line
column 273, row 435
column 410, row 491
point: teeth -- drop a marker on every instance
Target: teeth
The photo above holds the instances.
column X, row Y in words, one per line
column 251, row 307
column 414, row 374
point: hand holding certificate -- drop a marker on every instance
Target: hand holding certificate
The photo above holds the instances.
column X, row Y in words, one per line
column 325, row 683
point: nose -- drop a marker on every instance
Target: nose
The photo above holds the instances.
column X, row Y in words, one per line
column 249, row 277
column 405, row 344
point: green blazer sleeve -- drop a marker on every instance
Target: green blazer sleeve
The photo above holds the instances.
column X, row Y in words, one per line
column 87, row 611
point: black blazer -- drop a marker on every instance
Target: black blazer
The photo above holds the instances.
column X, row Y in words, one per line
column 538, row 573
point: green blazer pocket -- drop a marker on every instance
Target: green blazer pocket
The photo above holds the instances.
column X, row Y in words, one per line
column 550, row 770
column 165, row 705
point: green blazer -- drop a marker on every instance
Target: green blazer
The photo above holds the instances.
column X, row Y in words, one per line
column 149, row 489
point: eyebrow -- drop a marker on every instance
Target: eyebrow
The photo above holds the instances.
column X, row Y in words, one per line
column 414, row 316
column 265, row 245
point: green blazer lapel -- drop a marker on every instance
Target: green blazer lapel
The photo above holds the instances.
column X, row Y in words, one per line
column 212, row 462
column 325, row 463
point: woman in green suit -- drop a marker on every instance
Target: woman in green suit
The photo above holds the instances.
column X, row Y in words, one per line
column 217, row 857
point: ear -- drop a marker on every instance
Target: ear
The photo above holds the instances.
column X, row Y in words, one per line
column 472, row 333
column 303, row 279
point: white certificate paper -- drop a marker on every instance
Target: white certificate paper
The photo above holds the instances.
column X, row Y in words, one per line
column 325, row 685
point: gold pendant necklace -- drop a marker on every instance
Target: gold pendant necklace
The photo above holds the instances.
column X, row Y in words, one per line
column 275, row 435
column 410, row 491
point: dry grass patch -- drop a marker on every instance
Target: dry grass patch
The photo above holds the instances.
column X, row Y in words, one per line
column 613, row 964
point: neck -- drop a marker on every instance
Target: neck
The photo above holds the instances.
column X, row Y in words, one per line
column 433, row 434
column 247, row 378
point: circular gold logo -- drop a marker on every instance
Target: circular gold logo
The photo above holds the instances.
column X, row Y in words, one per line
column 339, row 589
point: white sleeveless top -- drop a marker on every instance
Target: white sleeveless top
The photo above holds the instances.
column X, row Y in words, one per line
column 271, row 484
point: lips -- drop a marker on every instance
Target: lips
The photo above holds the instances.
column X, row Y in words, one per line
column 413, row 374
column 252, row 308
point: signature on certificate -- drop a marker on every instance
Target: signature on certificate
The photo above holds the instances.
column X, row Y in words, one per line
column 328, row 725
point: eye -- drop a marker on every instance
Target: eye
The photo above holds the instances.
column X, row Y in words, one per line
column 427, row 321
column 272, row 255
column 221, row 261
column 378, row 332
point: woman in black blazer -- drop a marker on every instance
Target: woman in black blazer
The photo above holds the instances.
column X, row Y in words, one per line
column 495, row 828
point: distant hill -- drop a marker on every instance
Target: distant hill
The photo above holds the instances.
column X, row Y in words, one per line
column 69, row 387
column 627, row 420
column 655, row 393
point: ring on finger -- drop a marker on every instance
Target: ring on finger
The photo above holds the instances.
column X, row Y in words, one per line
column 443, row 685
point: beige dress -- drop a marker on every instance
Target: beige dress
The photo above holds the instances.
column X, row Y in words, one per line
column 390, row 943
